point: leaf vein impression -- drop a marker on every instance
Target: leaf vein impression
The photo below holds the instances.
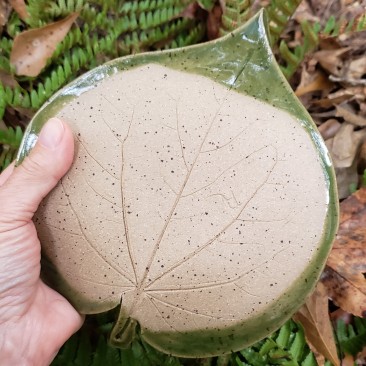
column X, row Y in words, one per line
column 175, row 306
column 179, row 137
column 213, row 239
column 228, row 143
column 211, row 285
column 100, row 195
column 100, row 255
column 223, row 172
column 162, row 316
column 123, row 199
column 100, row 283
column 95, row 160
column 179, row 196
column 64, row 231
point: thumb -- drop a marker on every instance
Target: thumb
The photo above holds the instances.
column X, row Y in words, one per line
column 34, row 178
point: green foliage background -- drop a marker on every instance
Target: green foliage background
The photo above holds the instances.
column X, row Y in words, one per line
column 107, row 29
column 286, row 347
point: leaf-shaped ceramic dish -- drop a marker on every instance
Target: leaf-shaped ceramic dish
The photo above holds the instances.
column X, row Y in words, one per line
column 201, row 198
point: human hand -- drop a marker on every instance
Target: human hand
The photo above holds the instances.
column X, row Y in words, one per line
column 35, row 320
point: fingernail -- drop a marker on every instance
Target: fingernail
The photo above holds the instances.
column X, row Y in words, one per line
column 51, row 133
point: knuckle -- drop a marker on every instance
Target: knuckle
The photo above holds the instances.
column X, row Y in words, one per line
column 31, row 166
column 37, row 167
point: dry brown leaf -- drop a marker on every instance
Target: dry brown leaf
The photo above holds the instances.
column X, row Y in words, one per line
column 8, row 79
column 345, row 145
column 314, row 317
column 331, row 60
column 345, row 80
column 190, row 11
column 325, row 8
column 20, row 7
column 358, row 92
column 338, row 97
column 222, row 4
column 329, row 128
column 346, row 178
column 327, row 102
column 304, row 12
column 362, row 158
column 320, row 82
column 344, row 148
column 34, row 47
column 344, row 274
column 348, row 360
column 307, row 76
column 320, row 359
column 357, row 68
column 361, row 357
column 349, row 116
column 5, row 10
column 327, row 114
column 214, row 22
column 342, row 315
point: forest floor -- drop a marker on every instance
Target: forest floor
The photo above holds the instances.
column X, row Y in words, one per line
column 331, row 84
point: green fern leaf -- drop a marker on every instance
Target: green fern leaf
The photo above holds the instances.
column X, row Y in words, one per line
column 207, row 4
column 11, row 137
column 84, row 354
column 351, row 338
column 105, row 29
column 279, row 13
column 3, row 100
column 235, row 13
column 68, row 352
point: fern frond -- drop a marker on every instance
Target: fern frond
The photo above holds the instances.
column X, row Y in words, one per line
column 105, row 355
column 158, row 17
column 351, row 338
column 82, row 350
column 187, row 38
column 14, row 25
column 235, row 13
column 285, row 347
column 62, row 8
column 5, row 64
column 279, row 12
column 3, row 101
column 137, row 7
column 155, row 35
column 16, row 97
column 106, row 30
column 36, row 13
column 10, row 139
column 294, row 58
column 334, row 28
column 42, row 12
column 5, row 45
